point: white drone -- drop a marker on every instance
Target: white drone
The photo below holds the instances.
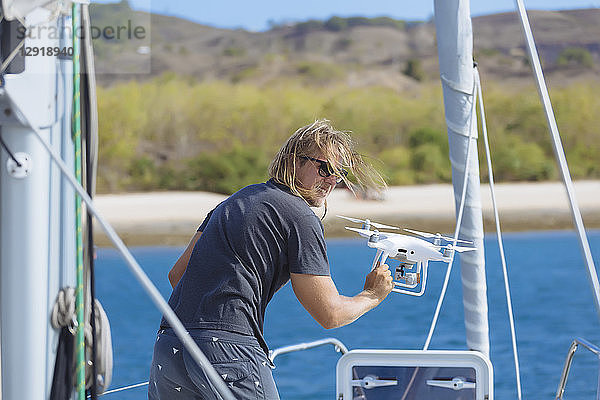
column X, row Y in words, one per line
column 413, row 253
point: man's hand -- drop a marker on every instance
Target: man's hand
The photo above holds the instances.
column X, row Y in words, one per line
column 379, row 282
column 321, row 299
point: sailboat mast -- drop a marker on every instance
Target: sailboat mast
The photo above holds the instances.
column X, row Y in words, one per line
column 455, row 51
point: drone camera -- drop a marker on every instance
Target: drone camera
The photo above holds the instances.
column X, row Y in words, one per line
column 408, row 279
column 412, row 278
column 401, row 274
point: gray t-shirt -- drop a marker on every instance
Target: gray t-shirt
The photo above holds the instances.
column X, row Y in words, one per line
column 249, row 245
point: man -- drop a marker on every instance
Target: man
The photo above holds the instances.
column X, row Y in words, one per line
column 246, row 249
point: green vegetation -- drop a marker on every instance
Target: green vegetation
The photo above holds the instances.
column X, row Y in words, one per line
column 225, row 172
column 319, row 73
column 234, row 51
column 414, row 69
column 245, row 73
column 575, row 56
column 337, row 24
column 342, row 44
column 309, row 26
column 173, row 133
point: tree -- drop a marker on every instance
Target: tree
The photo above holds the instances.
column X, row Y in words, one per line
column 576, row 56
column 414, row 69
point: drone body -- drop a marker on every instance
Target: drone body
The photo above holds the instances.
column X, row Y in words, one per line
column 413, row 253
column 407, row 248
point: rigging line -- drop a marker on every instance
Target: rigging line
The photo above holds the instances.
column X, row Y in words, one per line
column 499, row 234
column 10, row 154
column 559, row 153
column 93, row 102
column 457, row 229
column 76, row 132
column 11, row 56
column 121, row 389
column 90, row 131
column 214, row 378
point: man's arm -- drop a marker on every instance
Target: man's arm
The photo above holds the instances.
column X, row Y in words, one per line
column 178, row 269
column 321, row 299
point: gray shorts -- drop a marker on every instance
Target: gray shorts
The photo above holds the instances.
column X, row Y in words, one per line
column 239, row 359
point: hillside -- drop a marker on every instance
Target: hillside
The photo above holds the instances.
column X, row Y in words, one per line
column 353, row 51
column 192, row 107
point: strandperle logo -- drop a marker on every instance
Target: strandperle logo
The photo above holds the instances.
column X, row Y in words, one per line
column 128, row 31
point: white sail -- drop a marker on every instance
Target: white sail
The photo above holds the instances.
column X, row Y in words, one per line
column 455, row 51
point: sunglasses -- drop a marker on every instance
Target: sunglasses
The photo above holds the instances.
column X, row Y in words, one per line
column 325, row 169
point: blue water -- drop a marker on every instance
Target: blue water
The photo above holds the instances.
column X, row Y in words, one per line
column 552, row 300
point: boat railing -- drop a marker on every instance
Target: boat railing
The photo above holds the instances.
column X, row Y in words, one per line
column 569, row 360
column 338, row 345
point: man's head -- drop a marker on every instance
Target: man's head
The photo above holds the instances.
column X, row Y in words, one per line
column 315, row 158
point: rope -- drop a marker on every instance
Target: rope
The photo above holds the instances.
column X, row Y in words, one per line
column 10, row 154
column 499, row 235
column 100, row 368
column 456, row 230
column 103, row 361
column 63, row 312
column 80, row 342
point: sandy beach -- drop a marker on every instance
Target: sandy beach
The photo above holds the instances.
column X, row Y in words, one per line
column 171, row 218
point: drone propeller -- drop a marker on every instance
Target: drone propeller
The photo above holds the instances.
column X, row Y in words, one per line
column 362, row 232
column 437, row 235
column 369, row 222
column 460, row 249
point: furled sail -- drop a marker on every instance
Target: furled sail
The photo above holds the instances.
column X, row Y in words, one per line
column 455, row 51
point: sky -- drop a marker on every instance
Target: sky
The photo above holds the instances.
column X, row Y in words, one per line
column 256, row 15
